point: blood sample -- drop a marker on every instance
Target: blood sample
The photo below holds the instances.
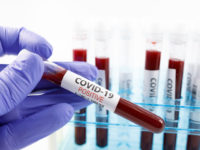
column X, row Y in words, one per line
column 174, row 85
column 176, row 67
column 99, row 95
column 80, row 54
column 80, row 129
column 151, row 81
column 102, row 63
column 193, row 142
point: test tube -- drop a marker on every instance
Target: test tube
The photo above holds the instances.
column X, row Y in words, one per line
column 102, row 64
column 99, row 95
column 151, row 80
column 177, row 41
column 125, row 63
column 193, row 93
column 80, row 54
column 193, row 141
column 193, row 61
column 125, row 72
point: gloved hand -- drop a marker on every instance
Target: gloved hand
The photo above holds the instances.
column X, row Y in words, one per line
column 23, row 119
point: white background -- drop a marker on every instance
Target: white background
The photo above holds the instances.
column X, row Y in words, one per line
column 54, row 19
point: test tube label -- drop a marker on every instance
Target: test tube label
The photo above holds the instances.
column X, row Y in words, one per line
column 101, row 80
column 195, row 114
column 196, row 89
column 190, row 77
column 90, row 90
column 125, row 84
column 171, row 84
column 151, row 79
column 170, row 93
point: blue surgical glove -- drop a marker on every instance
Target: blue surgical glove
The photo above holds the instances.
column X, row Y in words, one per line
column 25, row 119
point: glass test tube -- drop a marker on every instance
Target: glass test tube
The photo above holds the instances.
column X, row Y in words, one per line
column 102, row 63
column 80, row 54
column 99, row 95
column 125, row 64
column 193, row 92
column 125, row 78
column 173, row 88
column 151, row 80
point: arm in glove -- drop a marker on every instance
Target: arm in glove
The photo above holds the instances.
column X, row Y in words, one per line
column 25, row 119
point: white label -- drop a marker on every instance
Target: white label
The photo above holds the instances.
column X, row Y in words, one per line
column 90, row 90
column 101, row 80
column 171, row 84
column 125, row 84
column 101, row 111
column 125, row 81
column 190, row 77
column 151, row 79
column 170, row 93
column 196, row 90
column 195, row 114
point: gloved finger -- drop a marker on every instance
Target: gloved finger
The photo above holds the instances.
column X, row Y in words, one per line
column 21, row 133
column 13, row 40
column 38, row 102
column 18, row 79
column 84, row 69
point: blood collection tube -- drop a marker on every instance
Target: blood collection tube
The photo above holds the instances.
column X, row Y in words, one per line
column 102, row 64
column 80, row 54
column 151, row 80
column 99, row 95
column 193, row 86
column 174, row 85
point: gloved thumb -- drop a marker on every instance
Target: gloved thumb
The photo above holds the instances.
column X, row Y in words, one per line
column 18, row 79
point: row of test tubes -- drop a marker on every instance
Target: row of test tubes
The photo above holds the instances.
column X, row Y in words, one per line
column 153, row 55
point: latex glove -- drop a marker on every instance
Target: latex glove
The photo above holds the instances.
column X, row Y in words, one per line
column 22, row 120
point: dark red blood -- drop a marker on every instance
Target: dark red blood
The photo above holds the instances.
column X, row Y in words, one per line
column 140, row 116
column 103, row 64
column 152, row 60
column 80, row 55
column 179, row 66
